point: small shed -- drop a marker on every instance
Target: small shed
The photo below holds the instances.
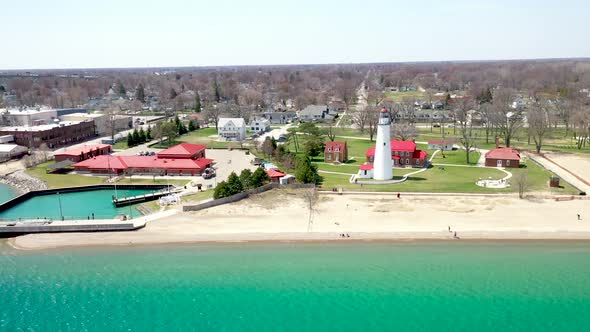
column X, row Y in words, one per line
column 365, row 171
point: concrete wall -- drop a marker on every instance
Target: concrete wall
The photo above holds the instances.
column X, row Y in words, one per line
column 54, row 228
column 242, row 195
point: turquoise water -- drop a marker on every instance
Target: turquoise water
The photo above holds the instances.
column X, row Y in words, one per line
column 300, row 287
column 6, row 193
column 75, row 205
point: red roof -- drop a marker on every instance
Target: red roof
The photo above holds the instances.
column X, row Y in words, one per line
column 419, row 154
column 503, row 153
column 124, row 162
column 83, row 150
column 331, row 146
column 366, row 167
column 182, row 150
column 395, row 146
column 275, row 173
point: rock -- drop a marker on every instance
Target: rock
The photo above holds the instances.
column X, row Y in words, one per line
column 23, row 182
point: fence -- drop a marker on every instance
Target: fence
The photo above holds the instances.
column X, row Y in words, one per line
column 242, row 195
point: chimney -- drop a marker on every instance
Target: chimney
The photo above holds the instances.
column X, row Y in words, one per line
column 497, row 141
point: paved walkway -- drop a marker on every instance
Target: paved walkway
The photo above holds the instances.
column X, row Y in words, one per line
column 561, row 171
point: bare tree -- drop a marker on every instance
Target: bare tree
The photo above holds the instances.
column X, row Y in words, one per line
column 310, row 196
column 581, row 118
column 538, row 121
column 508, row 119
column 463, row 117
column 522, row 183
column 345, row 90
column 360, row 118
column 372, row 120
column 213, row 113
column 403, row 131
column 330, row 133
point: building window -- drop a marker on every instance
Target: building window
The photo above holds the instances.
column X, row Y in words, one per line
column 407, row 161
column 507, row 162
column 417, row 161
column 329, row 156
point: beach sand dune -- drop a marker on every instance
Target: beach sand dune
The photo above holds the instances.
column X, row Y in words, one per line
column 283, row 215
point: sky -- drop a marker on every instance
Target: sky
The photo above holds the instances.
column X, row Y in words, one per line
column 132, row 33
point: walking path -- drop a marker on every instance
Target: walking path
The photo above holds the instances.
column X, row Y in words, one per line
column 564, row 173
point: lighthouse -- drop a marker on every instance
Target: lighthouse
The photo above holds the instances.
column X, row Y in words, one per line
column 383, row 164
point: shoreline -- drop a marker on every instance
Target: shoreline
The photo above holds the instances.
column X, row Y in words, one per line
column 282, row 216
column 327, row 238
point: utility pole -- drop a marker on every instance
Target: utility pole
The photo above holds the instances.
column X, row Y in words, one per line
column 60, row 210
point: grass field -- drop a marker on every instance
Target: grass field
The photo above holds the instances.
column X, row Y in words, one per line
column 399, row 96
column 196, row 198
column 121, row 145
column 457, row 157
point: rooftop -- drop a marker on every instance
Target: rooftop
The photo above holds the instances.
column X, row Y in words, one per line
column 40, row 127
column 503, row 153
column 82, row 150
column 182, row 149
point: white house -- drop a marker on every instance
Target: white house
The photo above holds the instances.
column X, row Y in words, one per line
column 441, row 144
column 259, row 125
column 231, row 129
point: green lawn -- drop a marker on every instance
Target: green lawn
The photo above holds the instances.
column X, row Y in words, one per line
column 457, row 157
column 62, row 180
column 196, row 198
column 398, row 96
column 121, row 145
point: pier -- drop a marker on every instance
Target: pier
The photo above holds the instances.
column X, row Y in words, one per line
column 59, row 226
column 124, row 201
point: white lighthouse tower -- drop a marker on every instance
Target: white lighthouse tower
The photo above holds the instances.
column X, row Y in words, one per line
column 382, row 163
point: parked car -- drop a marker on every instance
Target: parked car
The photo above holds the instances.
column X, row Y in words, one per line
column 257, row 161
column 208, row 173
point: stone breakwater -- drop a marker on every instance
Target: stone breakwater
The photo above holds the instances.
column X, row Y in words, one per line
column 22, row 182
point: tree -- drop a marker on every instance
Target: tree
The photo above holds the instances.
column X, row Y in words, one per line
column 169, row 130
column 213, row 113
column 360, row 118
column 311, row 197
column 234, row 185
column 403, row 131
column 268, row 147
column 216, row 90
column 522, row 183
column 313, row 146
column 121, row 89
column 172, row 94
column 140, row 93
column 330, row 133
column 148, row 134
column 191, row 126
column 372, row 118
column 305, row 171
column 508, row 120
column 485, row 96
column 468, row 135
column 259, row 178
column 538, row 121
column 136, row 138
column 197, row 102
column 221, row 190
column 130, row 141
column 246, row 178
column 142, row 135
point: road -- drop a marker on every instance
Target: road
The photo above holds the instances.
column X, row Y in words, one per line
column 275, row 133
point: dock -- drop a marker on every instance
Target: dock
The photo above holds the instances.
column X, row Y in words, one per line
column 59, row 226
column 124, row 201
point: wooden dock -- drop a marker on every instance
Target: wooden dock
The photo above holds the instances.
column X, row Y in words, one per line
column 124, row 201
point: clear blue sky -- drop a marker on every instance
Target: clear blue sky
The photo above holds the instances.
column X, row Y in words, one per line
column 132, row 33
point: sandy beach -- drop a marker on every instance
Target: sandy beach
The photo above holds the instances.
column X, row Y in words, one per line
column 282, row 215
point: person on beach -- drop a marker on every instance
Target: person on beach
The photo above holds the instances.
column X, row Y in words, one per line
column 92, row 215
column 579, row 217
column 398, row 195
column 449, row 229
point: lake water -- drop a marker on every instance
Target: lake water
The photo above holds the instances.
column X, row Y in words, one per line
column 449, row 286
column 74, row 205
column 6, row 193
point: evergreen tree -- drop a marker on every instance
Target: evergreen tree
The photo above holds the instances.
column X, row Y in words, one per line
column 191, row 126
column 245, row 178
column 142, row 136
column 221, row 190
column 148, row 134
column 136, row 138
column 140, row 93
column 197, row 103
column 234, row 185
column 121, row 89
column 313, row 146
column 305, row 171
column 130, row 141
column 216, row 90
column 172, row 94
column 259, row 178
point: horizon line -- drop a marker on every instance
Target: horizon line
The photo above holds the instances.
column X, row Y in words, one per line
column 581, row 58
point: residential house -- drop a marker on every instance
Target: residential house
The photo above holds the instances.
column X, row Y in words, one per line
column 231, row 129
column 503, row 157
column 280, row 117
column 403, row 153
column 441, row 144
column 336, row 152
column 259, row 125
column 315, row 113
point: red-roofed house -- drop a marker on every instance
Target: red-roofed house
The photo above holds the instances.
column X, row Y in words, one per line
column 84, row 152
column 403, row 153
column 336, row 152
column 184, row 151
column 275, row 175
column 503, row 157
column 441, row 144
column 366, row 171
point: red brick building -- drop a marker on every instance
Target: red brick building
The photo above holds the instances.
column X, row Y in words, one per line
column 403, row 153
column 83, row 153
column 503, row 157
column 336, row 152
column 54, row 135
